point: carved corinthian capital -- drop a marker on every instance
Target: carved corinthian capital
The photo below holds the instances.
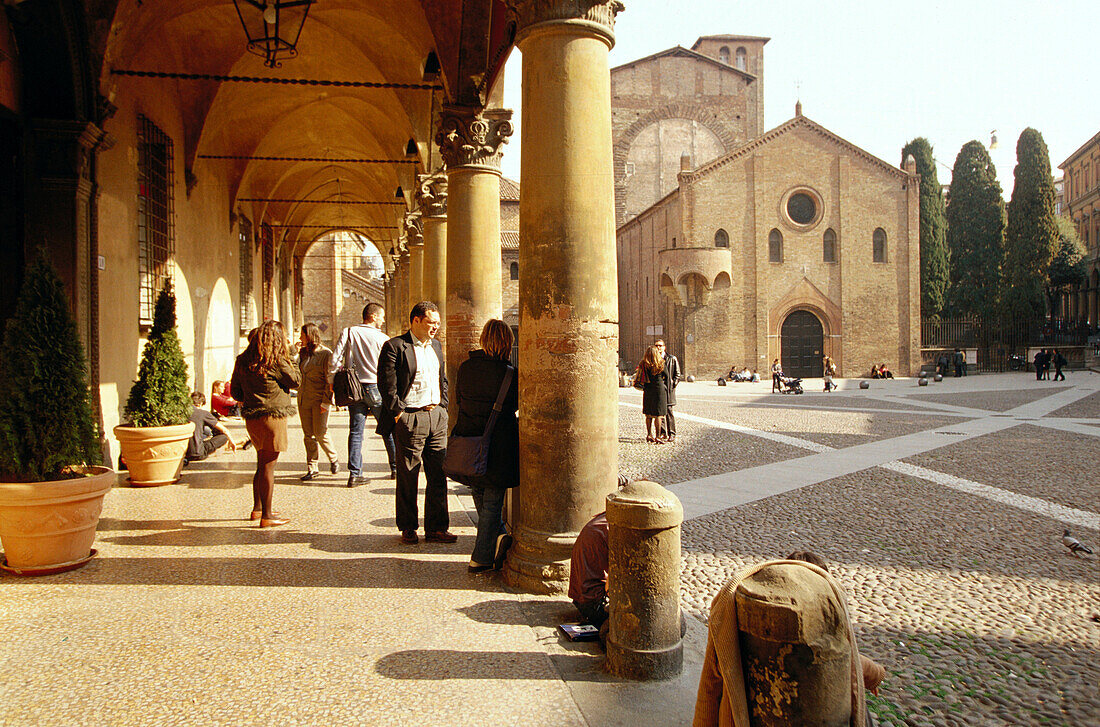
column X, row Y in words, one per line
column 530, row 12
column 473, row 137
column 432, row 194
column 414, row 230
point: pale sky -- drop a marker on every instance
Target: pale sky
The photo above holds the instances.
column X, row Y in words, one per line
column 881, row 73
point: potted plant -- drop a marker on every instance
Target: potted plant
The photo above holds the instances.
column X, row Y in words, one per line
column 51, row 487
column 158, row 410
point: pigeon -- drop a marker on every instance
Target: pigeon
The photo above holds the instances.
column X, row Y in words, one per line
column 1074, row 545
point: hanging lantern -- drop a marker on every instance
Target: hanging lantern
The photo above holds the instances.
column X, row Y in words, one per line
column 273, row 27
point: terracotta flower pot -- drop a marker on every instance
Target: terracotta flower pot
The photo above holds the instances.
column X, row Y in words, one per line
column 154, row 455
column 49, row 527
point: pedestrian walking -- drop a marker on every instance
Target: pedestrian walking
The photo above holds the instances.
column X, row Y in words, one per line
column 315, row 399
column 476, row 390
column 1059, row 363
column 262, row 379
column 654, row 395
column 672, row 378
column 959, row 361
column 1041, row 359
column 358, row 349
column 829, row 372
column 413, row 382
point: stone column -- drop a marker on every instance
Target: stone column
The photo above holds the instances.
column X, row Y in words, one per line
column 414, row 239
column 471, row 142
column 568, row 297
column 401, row 317
column 433, row 209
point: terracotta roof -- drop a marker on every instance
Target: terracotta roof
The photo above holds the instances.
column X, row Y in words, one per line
column 796, row 122
column 688, row 53
column 509, row 190
column 728, row 37
column 509, row 241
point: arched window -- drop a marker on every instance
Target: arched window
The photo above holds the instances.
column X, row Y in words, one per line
column 739, row 59
column 828, row 246
column 775, row 246
column 513, row 271
column 724, row 55
column 878, row 241
column 721, row 238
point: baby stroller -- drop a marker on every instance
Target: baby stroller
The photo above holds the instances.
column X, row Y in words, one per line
column 790, row 385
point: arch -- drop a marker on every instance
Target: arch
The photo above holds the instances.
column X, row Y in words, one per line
column 724, row 54
column 802, row 344
column 722, row 281
column 828, row 246
column 804, row 295
column 740, row 59
column 221, row 339
column 513, row 271
column 695, row 290
column 775, row 246
column 721, row 238
column 878, row 245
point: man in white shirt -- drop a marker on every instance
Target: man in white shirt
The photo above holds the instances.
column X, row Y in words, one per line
column 413, row 381
column 358, row 349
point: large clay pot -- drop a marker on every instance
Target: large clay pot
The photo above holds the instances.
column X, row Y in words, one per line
column 154, row 455
column 49, row 527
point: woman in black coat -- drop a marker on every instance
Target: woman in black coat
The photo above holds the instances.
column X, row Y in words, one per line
column 477, row 386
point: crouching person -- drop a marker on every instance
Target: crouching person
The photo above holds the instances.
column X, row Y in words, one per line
column 770, row 620
column 209, row 436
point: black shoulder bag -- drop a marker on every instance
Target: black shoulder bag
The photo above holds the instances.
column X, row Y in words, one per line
column 346, row 387
column 467, row 458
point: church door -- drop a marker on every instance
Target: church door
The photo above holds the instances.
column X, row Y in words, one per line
column 801, row 343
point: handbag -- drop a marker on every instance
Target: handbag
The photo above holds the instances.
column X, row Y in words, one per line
column 467, row 458
column 639, row 378
column 346, row 387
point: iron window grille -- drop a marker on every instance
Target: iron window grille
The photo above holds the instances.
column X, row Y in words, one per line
column 247, row 297
column 267, row 244
column 155, row 214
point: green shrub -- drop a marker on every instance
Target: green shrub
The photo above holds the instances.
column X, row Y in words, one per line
column 161, row 397
column 46, row 422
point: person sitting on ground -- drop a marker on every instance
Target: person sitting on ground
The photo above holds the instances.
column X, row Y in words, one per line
column 221, row 403
column 588, row 569
column 754, row 377
column 884, row 373
column 209, row 434
column 732, row 375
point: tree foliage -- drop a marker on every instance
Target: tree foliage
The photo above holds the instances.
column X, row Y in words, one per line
column 1068, row 267
column 934, row 259
column 1031, row 239
column 160, row 396
column 46, row 422
column 975, row 234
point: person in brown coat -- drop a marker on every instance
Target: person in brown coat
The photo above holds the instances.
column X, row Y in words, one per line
column 262, row 379
column 315, row 399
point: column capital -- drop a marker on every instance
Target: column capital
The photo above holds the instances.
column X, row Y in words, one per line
column 473, row 137
column 414, row 229
column 532, row 12
column 431, row 193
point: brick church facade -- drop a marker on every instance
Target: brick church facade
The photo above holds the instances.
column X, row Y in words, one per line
column 738, row 245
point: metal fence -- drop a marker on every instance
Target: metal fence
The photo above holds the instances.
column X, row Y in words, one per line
column 1001, row 344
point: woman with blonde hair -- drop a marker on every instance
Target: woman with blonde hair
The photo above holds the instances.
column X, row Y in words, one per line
column 476, row 389
column 654, row 395
column 262, row 379
column 314, row 399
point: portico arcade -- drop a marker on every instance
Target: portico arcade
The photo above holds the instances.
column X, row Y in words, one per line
column 158, row 147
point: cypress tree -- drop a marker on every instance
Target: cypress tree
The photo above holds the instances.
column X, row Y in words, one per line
column 46, row 422
column 160, row 396
column 975, row 234
column 1068, row 267
column 934, row 260
column 1031, row 239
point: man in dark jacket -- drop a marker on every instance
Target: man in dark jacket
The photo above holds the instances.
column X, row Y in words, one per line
column 672, row 378
column 413, row 382
column 1059, row 362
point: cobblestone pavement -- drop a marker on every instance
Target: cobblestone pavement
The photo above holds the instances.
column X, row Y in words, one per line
column 957, row 579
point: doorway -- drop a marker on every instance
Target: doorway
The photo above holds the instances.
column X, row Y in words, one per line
column 802, row 343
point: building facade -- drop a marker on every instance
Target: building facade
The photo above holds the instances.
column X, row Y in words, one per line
column 1081, row 203
column 739, row 246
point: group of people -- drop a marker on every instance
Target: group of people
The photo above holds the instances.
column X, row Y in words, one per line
column 957, row 359
column 881, row 372
column 404, row 386
column 657, row 377
column 743, row 375
column 1043, row 361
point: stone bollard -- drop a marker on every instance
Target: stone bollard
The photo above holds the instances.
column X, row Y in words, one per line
column 643, row 584
column 865, row 384
column 922, row 381
column 938, row 377
column 795, row 649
